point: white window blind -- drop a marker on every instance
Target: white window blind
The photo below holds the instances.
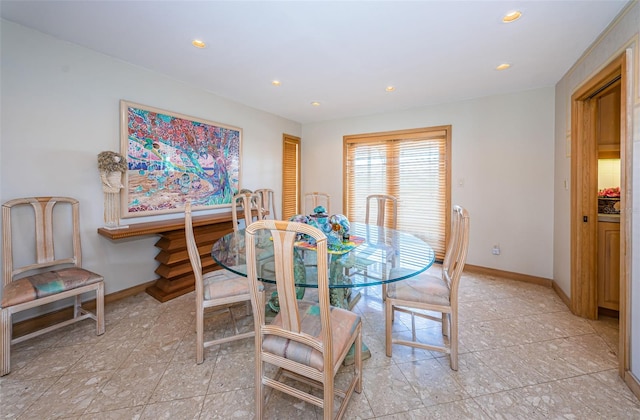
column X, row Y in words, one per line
column 413, row 166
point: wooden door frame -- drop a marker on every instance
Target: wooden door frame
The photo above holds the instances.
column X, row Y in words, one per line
column 584, row 185
column 288, row 138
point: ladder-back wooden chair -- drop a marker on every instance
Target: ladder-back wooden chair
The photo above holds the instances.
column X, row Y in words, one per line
column 436, row 293
column 380, row 203
column 55, row 273
column 219, row 288
column 248, row 203
column 306, row 341
column 253, row 202
column 315, row 199
column 268, row 202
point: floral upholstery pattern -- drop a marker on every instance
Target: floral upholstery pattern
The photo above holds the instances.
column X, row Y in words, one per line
column 45, row 284
column 343, row 323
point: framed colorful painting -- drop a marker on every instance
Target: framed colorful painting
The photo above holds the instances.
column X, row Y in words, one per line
column 173, row 158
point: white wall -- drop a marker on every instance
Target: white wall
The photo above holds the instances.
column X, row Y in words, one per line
column 622, row 35
column 503, row 152
column 60, row 108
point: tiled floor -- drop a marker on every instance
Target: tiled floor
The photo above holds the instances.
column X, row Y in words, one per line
column 523, row 355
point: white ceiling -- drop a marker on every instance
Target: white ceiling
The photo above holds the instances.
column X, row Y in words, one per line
column 340, row 53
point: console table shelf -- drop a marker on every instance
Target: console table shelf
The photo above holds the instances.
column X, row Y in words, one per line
column 175, row 274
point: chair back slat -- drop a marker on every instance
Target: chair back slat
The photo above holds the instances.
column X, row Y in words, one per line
column 316, row 199
column 282, row 241
column 248, row 202
column 455, row 256
column 460, row 236
column 192, row 249
column 284, row 235
column 44, row 235
column 268, row 202
column 382, row 203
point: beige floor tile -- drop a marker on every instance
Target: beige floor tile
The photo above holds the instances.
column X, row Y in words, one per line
column 184, row 380
column 475, row 377
column 153, row 350
column 358, row 407
column 54, row 361
column 106, row 355
column 18, row 394
column 186, row 350
column 564, row 324
column 546, row 358
column 177, row 409
column 462, row 409
column 388, row 391
column 481, row 310
column 233, row 371
column 613, row 401
column 128, row 387
column 511, row 368
column 80, row 333
column 132, row 413
column 522, row 355
column 69, row 396
column 433, row 383
column 239, row 404
column 540, row 401
column 42, row 342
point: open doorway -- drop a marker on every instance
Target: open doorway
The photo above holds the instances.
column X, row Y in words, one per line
column 592, row 248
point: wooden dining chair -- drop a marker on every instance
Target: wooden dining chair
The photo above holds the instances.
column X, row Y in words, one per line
column 54, row 274
column 268, row 202
column 306, row 341
column 381, row 203
column 249, row 203
column 435, row 293
column 315, row 199
column 217, row 289
column 377, row 204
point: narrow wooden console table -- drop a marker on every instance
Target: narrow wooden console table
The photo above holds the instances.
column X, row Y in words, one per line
column 176, row 275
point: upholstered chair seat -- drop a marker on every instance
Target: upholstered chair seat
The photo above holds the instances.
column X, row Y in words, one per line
column 426, row 293
column 51, row 269
column 343, row 325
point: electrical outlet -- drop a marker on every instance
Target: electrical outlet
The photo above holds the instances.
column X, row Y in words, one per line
column 495, row 250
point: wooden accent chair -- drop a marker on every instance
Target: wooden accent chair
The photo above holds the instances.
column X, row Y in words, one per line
column 248, row 202
column 219, row 288
column 428, row 292
column 53, row 276
column 315, row 199
column 268, row 202
column 381, row 202
column 252, row 201
column 306, row 341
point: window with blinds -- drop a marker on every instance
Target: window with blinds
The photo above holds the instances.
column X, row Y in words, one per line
column 290, row 176
column 412, row 165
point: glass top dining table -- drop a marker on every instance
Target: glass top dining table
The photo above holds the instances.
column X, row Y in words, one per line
column 371, row 256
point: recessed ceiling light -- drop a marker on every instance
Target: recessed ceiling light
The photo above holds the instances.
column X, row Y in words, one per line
column 198, row 44
column 275, row 82
column 511, row 16
column 390, row 88
column 315, row 103
column 503, row 66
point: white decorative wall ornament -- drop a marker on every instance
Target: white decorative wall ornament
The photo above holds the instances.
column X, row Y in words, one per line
column 112, row 166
